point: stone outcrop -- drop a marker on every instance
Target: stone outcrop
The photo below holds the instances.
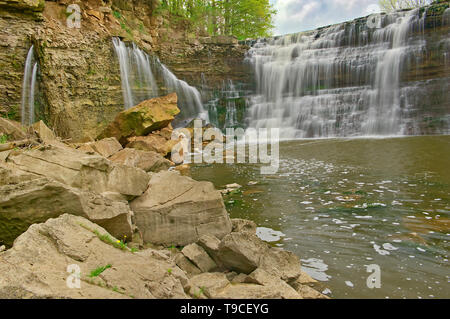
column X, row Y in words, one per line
column 81, row 170
column 41, row 257
column 180, row 215
column 144, row 118
column 147, row 161
column 38, row 199
column 12, row 129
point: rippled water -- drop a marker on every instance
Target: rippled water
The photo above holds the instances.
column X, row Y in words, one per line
column 343, row 204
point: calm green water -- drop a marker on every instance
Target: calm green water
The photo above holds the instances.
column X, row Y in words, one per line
column 343, row 204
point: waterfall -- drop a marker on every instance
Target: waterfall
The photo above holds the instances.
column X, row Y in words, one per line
column 28, row 89
column 188, row 96
column 343, row 80
column 137, row 72
column 138, row 81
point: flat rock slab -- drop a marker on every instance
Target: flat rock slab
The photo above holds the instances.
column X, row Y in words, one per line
column 41, row 257
column 147, row 161
column 36, row 200
column 176, row 210
column 78, row 169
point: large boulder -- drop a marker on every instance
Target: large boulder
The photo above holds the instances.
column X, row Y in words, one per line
column 147, row 161
column 13, row 130
column 153, row 142
column 78, row 169
column 244, row 252
column 45, row 134
column 43, row 255
column 106, row 147
column 176, row 210
column 199, row 257
column 33, row 199
column 144, row 118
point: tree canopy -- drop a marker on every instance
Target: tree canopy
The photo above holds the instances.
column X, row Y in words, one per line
column 241, row 18
column 393, row 5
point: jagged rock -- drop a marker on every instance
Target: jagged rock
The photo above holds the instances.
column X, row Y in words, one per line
column 242, row 252
column 152, row 143
column 144, row 118
column 303, row 279
column 45, row 134
column 243, row 225
column 281, row 263
column 36, row 200
column 78, row 169
column 2, row 248
column 208, row 285
column 186, row 265
column 199, row 257
column 42, row 254
column 261, row 277
column 106, row 147
column 211, row 245
column 12, row 129
column 309, row 293
column 179, row 215
column 147, row 161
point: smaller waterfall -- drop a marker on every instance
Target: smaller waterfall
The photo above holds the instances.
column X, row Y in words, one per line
column 28, row 89
column 189, row 97
column 137, row 72
column 138, row 81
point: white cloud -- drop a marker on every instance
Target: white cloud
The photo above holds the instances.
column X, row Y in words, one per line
column 301, row 15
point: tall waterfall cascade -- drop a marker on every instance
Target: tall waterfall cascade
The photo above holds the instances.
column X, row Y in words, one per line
column 343, row 80
column 28, row 89
column 138, row 81
column 139, row 75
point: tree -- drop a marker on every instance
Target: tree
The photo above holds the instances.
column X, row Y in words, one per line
column 240, row 18
column 393, row 5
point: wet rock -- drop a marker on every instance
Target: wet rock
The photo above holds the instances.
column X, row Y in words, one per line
column 199, row 257
column 38, row 199
column 42, row 254
column 147, row 161
column 179, row 215
column 146, row 117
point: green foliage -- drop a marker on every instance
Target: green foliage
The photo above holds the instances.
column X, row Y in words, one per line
column 96, row 272
column 240, row 18
column 3, row 138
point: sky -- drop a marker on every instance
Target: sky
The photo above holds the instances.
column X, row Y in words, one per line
column 302, row 15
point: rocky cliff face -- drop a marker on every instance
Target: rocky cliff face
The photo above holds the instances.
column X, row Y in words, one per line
column 79, row 88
